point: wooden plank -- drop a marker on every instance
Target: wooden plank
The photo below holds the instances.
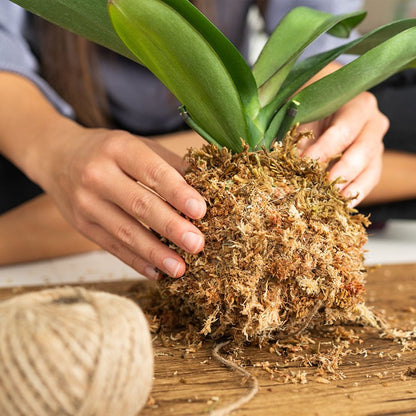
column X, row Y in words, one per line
column 194, row 383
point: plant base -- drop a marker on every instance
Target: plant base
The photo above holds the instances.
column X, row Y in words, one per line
column 283, row 248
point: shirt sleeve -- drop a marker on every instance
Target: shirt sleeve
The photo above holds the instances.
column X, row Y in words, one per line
column 277, row 9
column 16, row 56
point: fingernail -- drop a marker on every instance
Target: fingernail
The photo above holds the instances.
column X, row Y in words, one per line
column 151, row 273
column 312, row 155
column 341, row 182
column 352, row 203
column 354, row 197
column 195, row 208
column 192, row 241
column 172, row 266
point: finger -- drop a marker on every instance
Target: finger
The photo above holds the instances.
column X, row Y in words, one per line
column 171, row 158
column 345, row 126
column 127, row 256
column 124, row 231
column 358, row 156
column 150, row 209
column 365, row 182
column 306, row 142
column 145, row 166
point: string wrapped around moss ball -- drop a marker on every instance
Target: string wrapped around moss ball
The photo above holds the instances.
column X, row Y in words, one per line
column 283, row 248
column 69, row 351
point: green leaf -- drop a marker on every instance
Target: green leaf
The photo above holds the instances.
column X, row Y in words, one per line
column 295, row 32
column 88, row 18
column 326, row 95
column 189, row 66
column 236, row 65
column 304, row 70
column 270, row 136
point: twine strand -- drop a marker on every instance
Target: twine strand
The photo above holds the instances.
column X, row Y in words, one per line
column 226, row 410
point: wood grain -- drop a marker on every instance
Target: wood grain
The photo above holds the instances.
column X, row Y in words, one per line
column 193, row 383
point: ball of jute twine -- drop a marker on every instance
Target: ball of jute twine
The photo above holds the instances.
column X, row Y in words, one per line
column 69, row 351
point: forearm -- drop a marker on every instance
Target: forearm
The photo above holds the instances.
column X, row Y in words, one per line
column 36, row 128
column 398, row 180
column 27, row 125
column 36, row 230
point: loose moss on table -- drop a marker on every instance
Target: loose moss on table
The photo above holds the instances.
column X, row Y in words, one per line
column 191, row 382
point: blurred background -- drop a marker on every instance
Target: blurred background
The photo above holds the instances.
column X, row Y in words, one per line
column 381, row 12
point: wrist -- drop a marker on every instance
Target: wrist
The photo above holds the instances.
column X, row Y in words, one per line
column 49, row 141
column 31, row 129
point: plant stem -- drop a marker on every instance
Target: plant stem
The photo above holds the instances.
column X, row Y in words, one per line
column 287, row 122
column 194, row 126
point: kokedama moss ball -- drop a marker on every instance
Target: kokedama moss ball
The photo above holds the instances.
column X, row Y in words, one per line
column 282, row 246
column 73, row 352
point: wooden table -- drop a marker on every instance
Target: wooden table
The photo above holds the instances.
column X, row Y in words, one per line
column 194, row 383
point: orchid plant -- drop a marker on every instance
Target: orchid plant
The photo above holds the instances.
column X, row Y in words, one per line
column 222, row 98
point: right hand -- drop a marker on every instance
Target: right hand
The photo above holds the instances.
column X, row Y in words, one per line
column 115, row 188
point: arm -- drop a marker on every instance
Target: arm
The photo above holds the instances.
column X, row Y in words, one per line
column 398, row 179
column 36, row 230
column 94, row 177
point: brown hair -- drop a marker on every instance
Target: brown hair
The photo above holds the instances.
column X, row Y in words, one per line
column 69, row 64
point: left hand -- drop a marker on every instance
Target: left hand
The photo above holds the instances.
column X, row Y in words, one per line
column 355, row 132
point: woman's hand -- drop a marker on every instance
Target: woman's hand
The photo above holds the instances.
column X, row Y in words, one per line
column 355, row 133
column 113, row 188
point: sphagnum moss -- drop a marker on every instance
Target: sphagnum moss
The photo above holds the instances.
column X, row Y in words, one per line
column 283, row 248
